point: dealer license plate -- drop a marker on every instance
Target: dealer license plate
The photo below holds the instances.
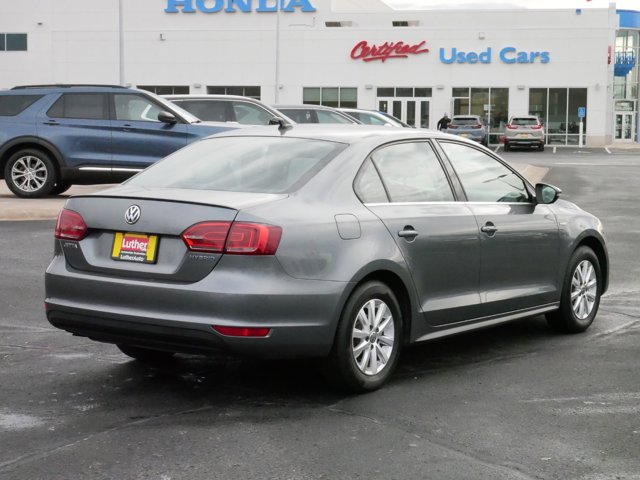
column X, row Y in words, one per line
column 464, row 134
column 523, row 135
column 134, row 247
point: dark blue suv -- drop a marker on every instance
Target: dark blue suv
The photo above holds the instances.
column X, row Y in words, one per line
column 52, row 136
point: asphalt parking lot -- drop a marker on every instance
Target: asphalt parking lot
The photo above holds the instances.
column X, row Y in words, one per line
column 512, row 402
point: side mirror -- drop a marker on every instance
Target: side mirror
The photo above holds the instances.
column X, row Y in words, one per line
column 546, row 194
column 166, row 117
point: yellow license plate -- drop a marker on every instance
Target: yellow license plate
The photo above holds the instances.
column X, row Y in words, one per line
column 134, row 247
column 523, row 135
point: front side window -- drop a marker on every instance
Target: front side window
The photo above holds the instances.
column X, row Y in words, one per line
column 89, row 106
column 241, row 164
column 325, row 116
column 250, row 114
column 131, row 107
column 411, row 172
column 483, row 178
column 207, row 110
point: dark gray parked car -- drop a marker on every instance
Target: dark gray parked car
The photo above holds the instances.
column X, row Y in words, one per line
column 316, row 241
column 469, row 126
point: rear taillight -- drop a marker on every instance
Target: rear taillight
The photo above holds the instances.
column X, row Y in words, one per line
column 238, row 238
column 70, row 226
column 476, row 126
column 452, row 126
column 511, row 127
column 242, row 331
column 207, row 236
column 536, row 127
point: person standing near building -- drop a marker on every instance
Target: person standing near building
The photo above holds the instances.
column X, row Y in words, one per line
column 443, row 123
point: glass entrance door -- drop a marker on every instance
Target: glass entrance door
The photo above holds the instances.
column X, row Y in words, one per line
column 624, row 127
column 414, row 111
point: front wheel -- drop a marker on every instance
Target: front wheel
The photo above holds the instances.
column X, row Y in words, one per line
column 368, row 339
column 580, row 293
column 30, row 173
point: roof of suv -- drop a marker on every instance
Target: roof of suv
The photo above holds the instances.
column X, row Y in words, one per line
column 61, row 87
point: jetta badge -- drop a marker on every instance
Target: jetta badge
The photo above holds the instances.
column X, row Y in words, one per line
column 132, row 215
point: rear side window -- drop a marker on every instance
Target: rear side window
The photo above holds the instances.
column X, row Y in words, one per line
column 241, row 164
column 367, row 118
column 411, row 172
column 89, row 106
column 11, row 105
column 325, row 116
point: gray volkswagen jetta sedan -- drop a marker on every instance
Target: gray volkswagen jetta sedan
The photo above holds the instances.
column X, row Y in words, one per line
column 345, row 243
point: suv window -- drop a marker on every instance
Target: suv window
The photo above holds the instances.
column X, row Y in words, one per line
column 134, row 107
column 411, row 172
column 368, row 118
column 325, row 116
column 207, row 110
column 89, row 106
column 11, row 105
column 525, row 122
column 249, row 114
column 483, row 178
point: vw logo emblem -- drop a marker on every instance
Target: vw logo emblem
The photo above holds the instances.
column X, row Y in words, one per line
column 132, row 215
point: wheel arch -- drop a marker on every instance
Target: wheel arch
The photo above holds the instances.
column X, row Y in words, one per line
column 596, row 244
column 35, row 143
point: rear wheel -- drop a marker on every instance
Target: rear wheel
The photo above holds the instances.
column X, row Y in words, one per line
column 580, row 293
column 507, row 147
column 30, row 173
column 368, row 339
column 145, row 355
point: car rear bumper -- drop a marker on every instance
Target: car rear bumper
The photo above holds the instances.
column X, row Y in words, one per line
column 524, row 141
column 301, row 314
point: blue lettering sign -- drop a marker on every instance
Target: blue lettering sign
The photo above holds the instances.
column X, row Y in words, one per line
column 232, row 6
column 465, row 57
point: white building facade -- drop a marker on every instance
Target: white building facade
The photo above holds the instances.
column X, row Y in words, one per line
column 566, row 66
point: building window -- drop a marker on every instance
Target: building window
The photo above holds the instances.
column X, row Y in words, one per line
column 557, row 109
column 166, row 89
column 13, row 42
column 345, row 97
column 405, row 92
column 492, row 104
column 245, row 91
column 627, row 71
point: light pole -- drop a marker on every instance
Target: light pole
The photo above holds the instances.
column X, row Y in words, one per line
column 121, row 41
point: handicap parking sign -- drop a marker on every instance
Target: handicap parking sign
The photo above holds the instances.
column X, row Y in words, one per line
column 582, row 112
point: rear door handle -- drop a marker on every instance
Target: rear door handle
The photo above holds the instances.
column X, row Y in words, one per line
column 408, row 232
column 51, row 122
column 126, row 127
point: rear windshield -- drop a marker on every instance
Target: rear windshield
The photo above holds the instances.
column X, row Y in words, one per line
column 465, row 121
column 524, row 122
column 11, row 105
column 241, row 164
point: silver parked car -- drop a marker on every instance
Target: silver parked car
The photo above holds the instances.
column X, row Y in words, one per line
column 345, row 243
column 374, row 117
column 524, row 131
column 228, row 108
column 315, row 114
column 469, row 126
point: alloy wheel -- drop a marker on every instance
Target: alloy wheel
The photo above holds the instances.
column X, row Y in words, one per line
column 584, row 287
column 372, row 337
column 29, row 173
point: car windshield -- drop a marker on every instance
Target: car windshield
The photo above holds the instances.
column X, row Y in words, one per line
column 241, row 164
column 525, row 122
column 465, row 121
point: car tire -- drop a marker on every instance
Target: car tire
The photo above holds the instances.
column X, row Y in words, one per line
column 146, row 355
column 507, row 147
column 541, row 147
column 30, row 173
column 368, row 339
column 580, row 297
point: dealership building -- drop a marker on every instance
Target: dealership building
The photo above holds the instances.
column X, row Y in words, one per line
column 567, row 66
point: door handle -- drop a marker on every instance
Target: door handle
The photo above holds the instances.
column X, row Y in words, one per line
column 51, row 122
column 126, row 127
column 489, row 228
column 408, row 232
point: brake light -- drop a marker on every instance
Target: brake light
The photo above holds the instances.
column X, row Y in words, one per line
column 242, row 331
column 238, row 238
column 536, row 127
column 476, row 126
column 511, row 127
column 70, row 226
column 206, row 236
column 452, row 126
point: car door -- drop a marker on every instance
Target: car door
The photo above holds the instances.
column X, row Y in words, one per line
column 78, row 125
column 139, row 138
column 519, row 238
column 405, row 185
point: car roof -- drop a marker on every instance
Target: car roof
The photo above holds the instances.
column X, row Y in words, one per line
column 306, row 107
column 57, row 88
column 342, row 133
column 197, row 96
